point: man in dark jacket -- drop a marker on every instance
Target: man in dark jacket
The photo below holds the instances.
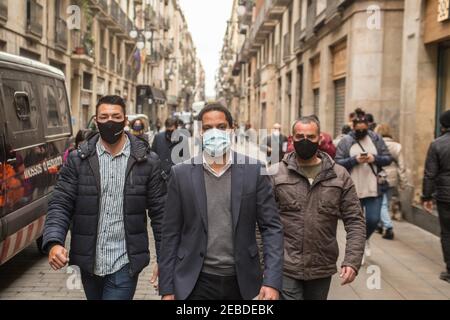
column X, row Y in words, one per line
column 164, row 143
column 313, row 193
column 436, row 184
column 275, row 145
column 209, row 249
column 103, row 192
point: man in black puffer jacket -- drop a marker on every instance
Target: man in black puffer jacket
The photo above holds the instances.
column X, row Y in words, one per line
column 103, row 193
column 436, row 184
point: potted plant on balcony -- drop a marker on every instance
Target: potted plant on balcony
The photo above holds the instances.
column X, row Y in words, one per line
column 88, row 44
column 87, row 41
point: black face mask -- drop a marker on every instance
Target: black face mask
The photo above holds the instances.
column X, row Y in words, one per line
column 138, row 127
column 169, row 135
column 361, row 134
column 111, row 131
column 306, row 149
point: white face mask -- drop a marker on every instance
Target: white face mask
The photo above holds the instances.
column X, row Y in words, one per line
column 276, row 132
column 216, row 142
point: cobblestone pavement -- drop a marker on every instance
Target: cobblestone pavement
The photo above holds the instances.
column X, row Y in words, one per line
column 408, row 269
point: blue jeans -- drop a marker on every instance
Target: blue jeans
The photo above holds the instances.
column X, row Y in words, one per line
column 117, row 286
column 372, row 209
column 386, row 221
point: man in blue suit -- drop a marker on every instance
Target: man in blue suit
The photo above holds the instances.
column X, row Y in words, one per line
column 215, row 200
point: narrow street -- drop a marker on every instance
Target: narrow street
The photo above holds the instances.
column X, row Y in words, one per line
column 409, row 269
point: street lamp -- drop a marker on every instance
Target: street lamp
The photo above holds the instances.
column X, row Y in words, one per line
column 241, row 10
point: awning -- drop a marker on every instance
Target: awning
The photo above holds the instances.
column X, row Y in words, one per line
column 158, row 95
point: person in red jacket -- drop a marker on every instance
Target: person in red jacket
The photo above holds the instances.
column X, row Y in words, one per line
column 326, row 145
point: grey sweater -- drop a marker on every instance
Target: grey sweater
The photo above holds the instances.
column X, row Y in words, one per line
column 219, row 259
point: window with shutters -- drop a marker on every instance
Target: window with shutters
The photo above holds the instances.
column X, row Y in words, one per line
column 339, row 106
column 316, row 101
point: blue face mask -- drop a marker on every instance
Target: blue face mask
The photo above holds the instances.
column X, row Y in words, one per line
column 216, row 142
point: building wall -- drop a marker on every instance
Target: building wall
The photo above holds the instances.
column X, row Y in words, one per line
column 14, row 38
column 373, row 65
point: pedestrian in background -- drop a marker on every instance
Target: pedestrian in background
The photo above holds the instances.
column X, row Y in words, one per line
column 313, row 193
column 81, row 136
column 326, row 142
column 364, row 153
column 164, row 143
column 250, row 133
column 346, row 129
column 138, row 129
column 436, row 185
column 209, row 249
column 104, row 191
column 372, row 124
column 396, row 178
column 274, row 145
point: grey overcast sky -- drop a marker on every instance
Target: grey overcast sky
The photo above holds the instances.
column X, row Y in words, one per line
column 207, row 21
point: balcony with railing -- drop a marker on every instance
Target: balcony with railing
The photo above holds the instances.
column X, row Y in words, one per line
column 99, row 5
column 112, row 62
column 266, row 20
column 257, row 78
column 299, row 35
column 152, row 18
column 103, row 57
column 61, row 34
column 287, row 46
column 122, row 21
column 3, row 11
column 83, row 47
column 246, row 19
column 114, row 10
column 120, row 68
column 130, row 73
column 34, row 18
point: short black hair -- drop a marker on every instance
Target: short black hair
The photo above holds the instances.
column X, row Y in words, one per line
column 113, row 100
column 82, row 135
column 370, row 118
column 170, row 122
column 306, row 120
column 346, row 129
column 359, row 113
column 216, row 107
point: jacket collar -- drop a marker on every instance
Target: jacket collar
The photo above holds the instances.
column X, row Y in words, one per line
column 326, row 173
column 138, row 148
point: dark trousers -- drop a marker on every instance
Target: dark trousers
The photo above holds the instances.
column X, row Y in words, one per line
column 212, row 287
column 294, row 289
column 444, row 220
column 116, row 286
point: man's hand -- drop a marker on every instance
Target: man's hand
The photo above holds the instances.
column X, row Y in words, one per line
column 58, row 257
column 268, row 293
column 168, row 297
column 428, row 206
column 348, row 275
column 155, row 276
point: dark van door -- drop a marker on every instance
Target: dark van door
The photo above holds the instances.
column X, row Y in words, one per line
column 2, row 165
column 36, row 126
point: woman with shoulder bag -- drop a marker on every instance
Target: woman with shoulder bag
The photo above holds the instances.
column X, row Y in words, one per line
column 396, row 177
column 363, row 153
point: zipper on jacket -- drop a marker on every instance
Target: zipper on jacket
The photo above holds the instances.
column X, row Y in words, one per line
column 130, row 271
